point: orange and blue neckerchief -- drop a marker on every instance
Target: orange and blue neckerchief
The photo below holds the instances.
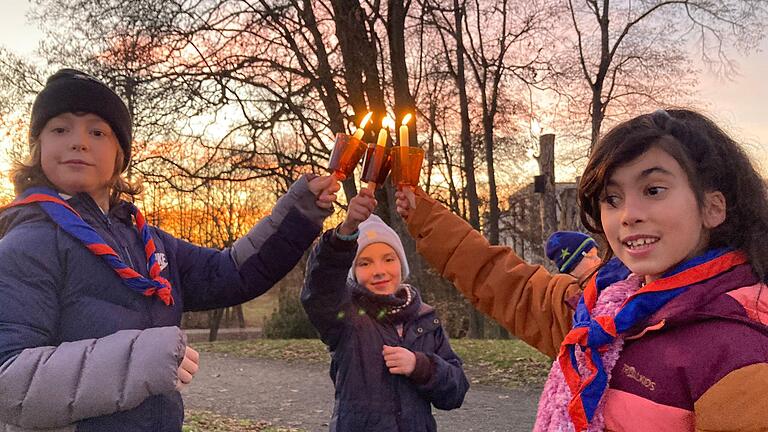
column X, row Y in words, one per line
column 73, row 224
column 593, row 335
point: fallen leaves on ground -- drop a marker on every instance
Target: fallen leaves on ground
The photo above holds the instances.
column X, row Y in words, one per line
column 311, row 350
column 206, row 421
column 508, row 363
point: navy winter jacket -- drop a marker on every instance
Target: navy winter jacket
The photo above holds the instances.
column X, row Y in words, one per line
column 81, row 351
column 368, row 397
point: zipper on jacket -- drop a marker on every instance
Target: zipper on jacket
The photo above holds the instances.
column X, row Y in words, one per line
column 95, row 209
column 397, row 379
column 109, row 226
column 130, row 260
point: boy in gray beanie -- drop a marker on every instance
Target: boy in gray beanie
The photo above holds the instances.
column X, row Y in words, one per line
column 374, row 230
column 391, row 359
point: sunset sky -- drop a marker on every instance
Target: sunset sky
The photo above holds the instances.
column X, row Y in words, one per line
column 738, row 104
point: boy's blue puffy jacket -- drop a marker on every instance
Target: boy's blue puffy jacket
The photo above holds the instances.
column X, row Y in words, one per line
column 80, row 351
column 368, row 397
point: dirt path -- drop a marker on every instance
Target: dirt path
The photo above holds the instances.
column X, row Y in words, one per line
column 300, row 395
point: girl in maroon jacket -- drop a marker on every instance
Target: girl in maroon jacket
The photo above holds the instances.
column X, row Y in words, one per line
column 670, row 335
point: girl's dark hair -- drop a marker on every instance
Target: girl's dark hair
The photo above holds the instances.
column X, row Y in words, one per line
column 712, row 160
column 29, row 173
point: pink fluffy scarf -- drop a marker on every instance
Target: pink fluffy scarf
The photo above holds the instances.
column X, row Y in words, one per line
column 553, row 404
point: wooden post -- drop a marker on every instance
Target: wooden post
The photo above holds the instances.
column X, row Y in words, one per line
column 547, row 199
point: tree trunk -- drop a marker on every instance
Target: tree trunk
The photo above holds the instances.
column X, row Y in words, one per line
column 430, row 152
column 598, row 106
column 494, row 211
column 476, row 319
column 361, row 75
column 597, row 112
column 350, row 30
column 214, row 324
column 404, row 102
column 359, row 56
column 547, row 201
column 466, row 137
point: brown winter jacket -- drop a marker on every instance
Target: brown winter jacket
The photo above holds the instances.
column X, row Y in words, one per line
column 686, row 369
column 523, row 298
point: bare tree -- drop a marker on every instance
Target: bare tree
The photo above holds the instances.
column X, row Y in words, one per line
column 503, row 46
column 634, row 51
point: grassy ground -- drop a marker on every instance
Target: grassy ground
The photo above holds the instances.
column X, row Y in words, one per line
column 260, row 308
column 206, row 421
column 505, row 363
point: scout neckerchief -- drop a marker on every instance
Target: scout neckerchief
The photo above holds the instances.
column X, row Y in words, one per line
column 593, row 335
column 73, row 224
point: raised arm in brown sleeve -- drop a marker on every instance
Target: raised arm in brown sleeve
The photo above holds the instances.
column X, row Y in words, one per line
column 526, row 299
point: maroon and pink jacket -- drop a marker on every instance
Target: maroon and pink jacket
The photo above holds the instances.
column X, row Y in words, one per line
column 699, row 364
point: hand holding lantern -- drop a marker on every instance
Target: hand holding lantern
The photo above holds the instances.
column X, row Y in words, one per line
column 406, row 160
column 347, row 151
column 377, row 163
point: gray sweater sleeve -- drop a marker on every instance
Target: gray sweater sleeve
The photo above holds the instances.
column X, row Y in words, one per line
column 54, row 386
column 298, row 196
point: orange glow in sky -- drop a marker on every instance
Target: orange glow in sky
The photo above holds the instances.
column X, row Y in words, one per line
column 738, row 105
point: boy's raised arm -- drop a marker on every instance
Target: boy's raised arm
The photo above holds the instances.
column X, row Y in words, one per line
column 260, row 258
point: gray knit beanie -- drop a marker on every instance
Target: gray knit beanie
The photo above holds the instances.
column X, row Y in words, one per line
column 374, row 230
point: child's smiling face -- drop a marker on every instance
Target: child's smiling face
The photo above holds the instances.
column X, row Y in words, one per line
column 651, row 217
column 79, row 153
column 378, row 269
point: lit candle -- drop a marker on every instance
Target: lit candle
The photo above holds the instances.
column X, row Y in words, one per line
column 386, row 123
column 381, row 140
column 361, row 130
column 404, row 130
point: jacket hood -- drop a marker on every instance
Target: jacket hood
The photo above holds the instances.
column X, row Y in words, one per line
column 11, row 217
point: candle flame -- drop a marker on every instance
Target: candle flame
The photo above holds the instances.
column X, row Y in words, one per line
column 406, row 119
column 366, row 119
column 388, row 122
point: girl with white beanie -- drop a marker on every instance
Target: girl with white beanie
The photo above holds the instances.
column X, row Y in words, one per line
column 391, row 360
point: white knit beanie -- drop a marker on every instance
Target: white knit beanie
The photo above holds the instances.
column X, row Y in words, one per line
column 374, row 230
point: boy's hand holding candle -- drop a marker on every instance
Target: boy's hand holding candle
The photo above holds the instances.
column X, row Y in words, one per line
column 405, row 201
column 325, row 188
